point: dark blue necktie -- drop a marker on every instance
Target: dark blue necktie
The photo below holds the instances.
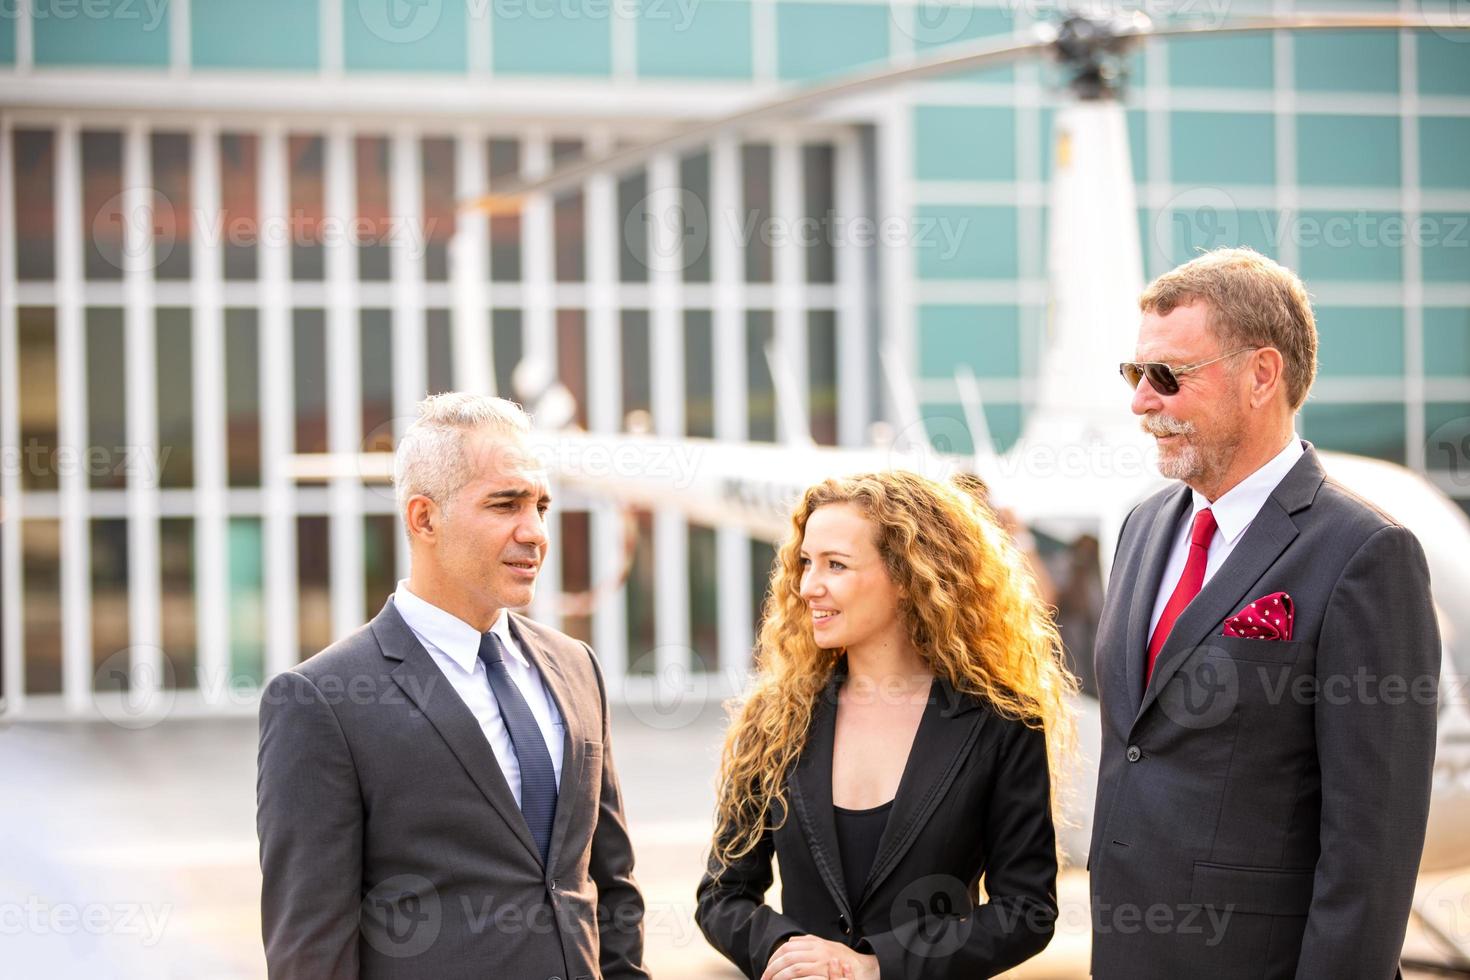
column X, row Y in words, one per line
column 538, row 776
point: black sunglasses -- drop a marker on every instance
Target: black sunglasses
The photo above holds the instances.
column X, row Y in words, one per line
column 1162, row 377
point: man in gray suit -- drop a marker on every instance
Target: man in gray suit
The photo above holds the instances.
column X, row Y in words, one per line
column 436, row 793
column 1267, row 661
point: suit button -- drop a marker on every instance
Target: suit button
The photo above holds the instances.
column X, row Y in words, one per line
column 1134, row 753
column 844, row 925
column 551, row 883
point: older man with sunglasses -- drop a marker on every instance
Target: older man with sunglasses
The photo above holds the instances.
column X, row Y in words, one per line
column 1267, row 662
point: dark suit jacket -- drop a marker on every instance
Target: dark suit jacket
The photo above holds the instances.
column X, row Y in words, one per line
column 1261, row 808
column 973, row 800
column 390, row 842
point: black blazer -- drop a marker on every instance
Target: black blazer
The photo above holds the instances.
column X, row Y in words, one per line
column 1262, row 803
column 974, row 801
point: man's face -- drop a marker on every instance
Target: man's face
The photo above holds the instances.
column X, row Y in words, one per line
column 493, row 538
column 1199, row 428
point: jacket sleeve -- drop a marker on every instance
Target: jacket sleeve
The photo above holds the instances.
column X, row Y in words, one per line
column 1019, row 917
column 733, row 914
column 619, row 903
column 310, row 821
column 1378, row 660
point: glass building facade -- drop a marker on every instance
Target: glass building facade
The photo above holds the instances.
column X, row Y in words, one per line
column 229, row 233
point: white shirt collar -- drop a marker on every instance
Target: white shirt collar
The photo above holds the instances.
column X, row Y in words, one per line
column 1239, row 505
column 457, row 639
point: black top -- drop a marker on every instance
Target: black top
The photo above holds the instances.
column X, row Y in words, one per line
column 858, row 834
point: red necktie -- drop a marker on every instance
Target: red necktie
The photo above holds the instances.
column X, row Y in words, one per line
column 1189, row 585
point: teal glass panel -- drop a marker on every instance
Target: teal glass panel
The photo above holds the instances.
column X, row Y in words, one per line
column 127, row 33
column 1222, row 148
column 570, row 37
column 1348, row 151
column 964, row 143
column 1371, row 429
column 987, row 338
column 964, row 242
column 1227, row 62
column 1447, row 342
column 1356, row 246
column 279, row 35
column 1444, row 150
column 1444, row 62
column 1360, row 341
column 817, row 39
column 949, row 433
column 1444, row 239
column 711, row 39
column 7, row 40
column 1208, row 218
column 935, row 25
column 403, row 35
column 1346, row 61
column 247, row 602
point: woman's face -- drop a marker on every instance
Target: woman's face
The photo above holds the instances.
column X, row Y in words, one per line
column 846, row 587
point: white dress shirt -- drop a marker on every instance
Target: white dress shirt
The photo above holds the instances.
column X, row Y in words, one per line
column 1233, row 512
column 454, row 646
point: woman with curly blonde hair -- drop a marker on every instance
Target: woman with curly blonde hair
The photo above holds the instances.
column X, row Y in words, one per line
column 909, row 707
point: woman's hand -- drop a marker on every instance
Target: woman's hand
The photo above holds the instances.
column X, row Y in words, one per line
column 810, row 958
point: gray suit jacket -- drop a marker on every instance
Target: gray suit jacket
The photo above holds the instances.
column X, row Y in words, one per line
column 391, row 845
column 1261, row 807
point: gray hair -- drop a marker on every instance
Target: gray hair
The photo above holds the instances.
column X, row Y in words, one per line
column 431, row 458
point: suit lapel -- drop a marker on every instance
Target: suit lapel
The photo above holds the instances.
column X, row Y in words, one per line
column 430, row 691
column 947, row 733
column 1158, row 541
column 811, row 792
column 573, row 750
column 1270, row 533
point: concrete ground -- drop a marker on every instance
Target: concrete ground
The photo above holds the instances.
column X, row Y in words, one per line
column 133, row 853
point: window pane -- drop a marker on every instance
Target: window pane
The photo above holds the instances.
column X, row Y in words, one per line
column 175, row 382
column 314, row 584
column 308, row 204
column 111, row 634
column 377, row 381
column 38, row 406
column 439, row 209
column 379, row 558
column 633, row 218
column 640, row 588
column 247, row 603
column 102, row 205
column 374, row 226
column 576, row 572
column 569, row 220
column 41, row 604
column 504, row 160
column 761, row 404
column 571, row 358
column 309, row 343
column 821, row 328
column 242, row 397
column 107, row 417
column 239, row 219
column 695, row 235
column 180, row 625
column 1366, row 429
column 440, row 354
column 171, row 231
column 505, row 342
column 637, row 380
column 35, row 204
column 704, row 598
column 821, row 203
column 699, row 374
column 755, row 169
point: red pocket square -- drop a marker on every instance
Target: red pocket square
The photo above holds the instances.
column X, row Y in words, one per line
column 1268, row 618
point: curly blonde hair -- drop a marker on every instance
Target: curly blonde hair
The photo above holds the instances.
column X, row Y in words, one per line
column 972, row 612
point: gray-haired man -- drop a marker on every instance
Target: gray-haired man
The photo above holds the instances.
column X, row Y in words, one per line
column 436, row 794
